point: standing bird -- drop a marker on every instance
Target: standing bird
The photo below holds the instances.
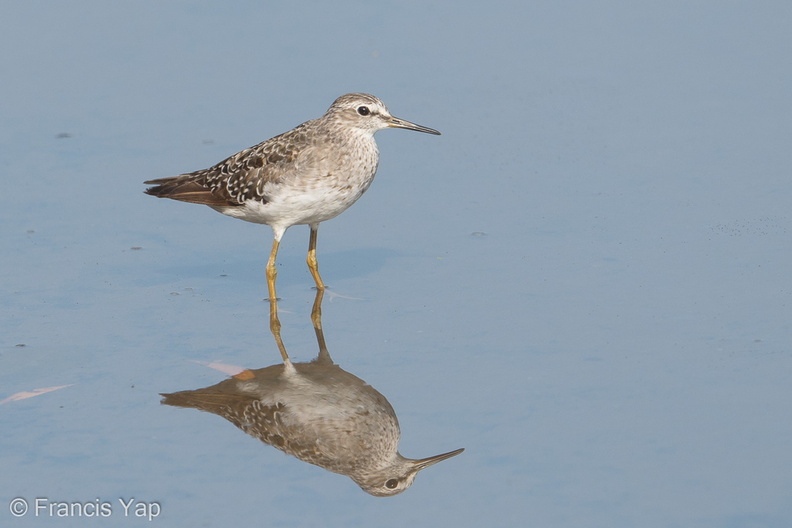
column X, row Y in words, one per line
column 307, row 175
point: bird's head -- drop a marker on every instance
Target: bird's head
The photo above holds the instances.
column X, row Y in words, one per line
column 364, row 111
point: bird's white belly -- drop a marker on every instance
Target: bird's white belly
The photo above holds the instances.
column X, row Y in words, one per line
column 309, row 206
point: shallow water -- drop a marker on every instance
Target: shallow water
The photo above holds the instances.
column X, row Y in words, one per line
column 584, row 281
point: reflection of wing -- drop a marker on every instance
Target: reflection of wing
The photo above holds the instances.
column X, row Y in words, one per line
column 266, row 423
column 246, row 175
column 253, row 417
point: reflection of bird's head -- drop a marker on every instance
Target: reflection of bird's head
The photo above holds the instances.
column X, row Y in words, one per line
column 399, row 475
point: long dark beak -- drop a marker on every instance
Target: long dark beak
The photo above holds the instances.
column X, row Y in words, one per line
column 395, row 122
column 426, row 462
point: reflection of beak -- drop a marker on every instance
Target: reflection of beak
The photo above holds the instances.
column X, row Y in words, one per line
column 395, row 122
column 426, row 462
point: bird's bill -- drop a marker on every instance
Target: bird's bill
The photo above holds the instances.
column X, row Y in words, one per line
column 395, row 122
column 426, row 462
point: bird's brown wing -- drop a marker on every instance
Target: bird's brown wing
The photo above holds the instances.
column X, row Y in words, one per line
column 243, row 176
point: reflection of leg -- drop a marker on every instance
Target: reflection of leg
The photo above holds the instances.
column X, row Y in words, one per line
column 316, row 319
column 275, row 328
column 275, row 325
column 313, row 265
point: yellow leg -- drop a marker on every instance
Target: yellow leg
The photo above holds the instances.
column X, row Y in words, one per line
column 271, row 271
column 313, row 265
column 275, row 325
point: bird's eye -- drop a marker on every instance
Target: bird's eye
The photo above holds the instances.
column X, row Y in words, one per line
column 364, row 111
column 392, row 483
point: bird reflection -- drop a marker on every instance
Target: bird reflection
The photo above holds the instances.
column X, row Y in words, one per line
column 319, row 413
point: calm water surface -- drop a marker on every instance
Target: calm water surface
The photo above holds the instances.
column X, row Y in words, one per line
column 584, row 281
